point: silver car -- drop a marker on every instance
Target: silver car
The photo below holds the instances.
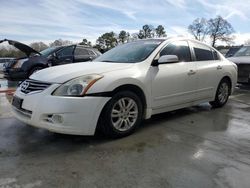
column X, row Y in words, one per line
column 242, row 59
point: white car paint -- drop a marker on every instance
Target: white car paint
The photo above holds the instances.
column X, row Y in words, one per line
column 166, row 87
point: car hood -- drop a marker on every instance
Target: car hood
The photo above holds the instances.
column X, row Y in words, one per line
column 240, row 60
column 22, row 47
column 63, row 73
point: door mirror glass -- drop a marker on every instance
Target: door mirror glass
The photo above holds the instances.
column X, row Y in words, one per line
column 168, row 59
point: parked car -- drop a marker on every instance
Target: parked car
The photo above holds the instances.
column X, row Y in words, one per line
column 242, row 59
column 232, row 51
column 4, row 60
column 127, row 84
column 22, row 68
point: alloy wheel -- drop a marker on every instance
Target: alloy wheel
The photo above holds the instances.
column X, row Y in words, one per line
column 124, row 114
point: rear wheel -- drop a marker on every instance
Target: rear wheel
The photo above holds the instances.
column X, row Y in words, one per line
column 121, row 115
column 222, row 94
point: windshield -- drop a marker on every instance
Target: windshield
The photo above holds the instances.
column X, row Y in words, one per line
column 130, row 52
column 48, row 51
column 244, row 51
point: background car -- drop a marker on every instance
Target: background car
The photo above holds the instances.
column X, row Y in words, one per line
column 22, row 68
column 242, row 59
column 125, row 85
column 4, row 61
column 232, row 51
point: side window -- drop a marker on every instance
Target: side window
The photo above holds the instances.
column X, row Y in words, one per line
column 180, row 49
column 67, row 51
column 81, row 51
column 202, row 52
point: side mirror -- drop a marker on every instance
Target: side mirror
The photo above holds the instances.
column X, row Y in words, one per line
column 168, row 59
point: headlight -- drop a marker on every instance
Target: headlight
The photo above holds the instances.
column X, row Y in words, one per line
column 78, row 86
column 19, row 63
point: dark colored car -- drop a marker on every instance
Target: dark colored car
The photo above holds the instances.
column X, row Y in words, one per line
column 232, row 51
column 242, row 59
column 22, row 68
column 3, row 61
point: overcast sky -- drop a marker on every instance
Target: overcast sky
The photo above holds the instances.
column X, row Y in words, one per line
column 47, row 20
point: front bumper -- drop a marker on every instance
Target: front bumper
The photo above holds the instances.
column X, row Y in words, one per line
column 79, row 115
column 15, row 74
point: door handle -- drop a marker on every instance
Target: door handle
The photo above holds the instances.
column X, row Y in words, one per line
column 219, row 67
column 191, row 72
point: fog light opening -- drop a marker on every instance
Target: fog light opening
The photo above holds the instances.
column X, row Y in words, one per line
column 57, row 118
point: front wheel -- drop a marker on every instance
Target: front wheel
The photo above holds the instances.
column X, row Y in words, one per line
column 122, row 115
column 222, row 94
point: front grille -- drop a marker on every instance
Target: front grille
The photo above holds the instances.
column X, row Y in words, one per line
column 30, row 86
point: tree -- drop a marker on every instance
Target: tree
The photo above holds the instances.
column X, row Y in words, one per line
column 38, row 46
column 199, row 28
column 60, row 42
column 141, row 35
column 134, row 37
column 160, row 31
column 107, row 41
column 220, row 29
column 147, row 31
column 123, row 36
column 85, row 42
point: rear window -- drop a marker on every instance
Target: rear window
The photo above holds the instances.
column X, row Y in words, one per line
column 81, row 51
column 203, row 53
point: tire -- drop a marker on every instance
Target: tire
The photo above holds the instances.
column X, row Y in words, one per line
column 222, row 94
column 35, row 69
column 121, row 115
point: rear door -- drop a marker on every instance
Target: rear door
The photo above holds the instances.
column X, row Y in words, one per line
column 82, row 54
column 209, row 70
column 174, row 83
column 64, row 56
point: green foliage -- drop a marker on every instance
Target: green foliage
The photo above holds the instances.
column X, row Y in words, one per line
column 123, row 36
column 147, row 31
column 85, row 42
column 107, row 41
column 160, row 31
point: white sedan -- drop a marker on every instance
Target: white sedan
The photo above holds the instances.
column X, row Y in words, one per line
column 125, row 85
